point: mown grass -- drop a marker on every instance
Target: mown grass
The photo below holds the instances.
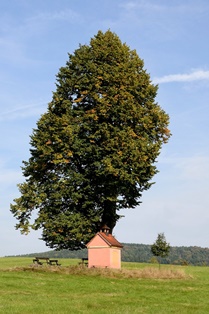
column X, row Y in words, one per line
column 137, row 288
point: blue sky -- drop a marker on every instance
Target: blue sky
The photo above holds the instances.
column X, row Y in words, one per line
column 172, row 38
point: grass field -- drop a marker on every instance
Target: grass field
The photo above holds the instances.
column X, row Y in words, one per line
column 137, row 288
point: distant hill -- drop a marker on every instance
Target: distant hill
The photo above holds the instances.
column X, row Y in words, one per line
column 131, row 252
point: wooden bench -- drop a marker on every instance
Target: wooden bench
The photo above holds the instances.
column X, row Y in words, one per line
column 41, row 260
column 54, row 262
column 84, row 261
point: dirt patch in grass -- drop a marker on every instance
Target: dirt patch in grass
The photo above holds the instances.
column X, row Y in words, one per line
column 147, row 272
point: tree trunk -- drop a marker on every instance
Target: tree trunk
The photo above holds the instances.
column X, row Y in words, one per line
column 109, row 216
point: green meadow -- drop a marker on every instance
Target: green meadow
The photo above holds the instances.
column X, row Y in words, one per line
column 136, row 288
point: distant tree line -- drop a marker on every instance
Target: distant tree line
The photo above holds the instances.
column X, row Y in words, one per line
column 192, row 255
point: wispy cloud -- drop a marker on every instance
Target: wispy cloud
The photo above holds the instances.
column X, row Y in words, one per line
column 144, row 5
column 23, row 112
column 195, row 168
column 65, row 15
column 152, row 6
column 9, row 177
column 16, row 35
column 189, row 168
column 196, row 75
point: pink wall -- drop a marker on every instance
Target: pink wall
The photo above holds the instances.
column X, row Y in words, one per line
column 115, row 258
column 99, row 257
column 101, row 254
column 104, row 257
column 97, row 241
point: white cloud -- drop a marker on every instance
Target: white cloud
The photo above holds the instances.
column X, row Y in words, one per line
column 151, row 6
column 196, row 75
column 17, row 35
column 195, row 168
column 10, row 177
column 65, row 15
column 23, row 112
column 144, row 5
column 191, row 169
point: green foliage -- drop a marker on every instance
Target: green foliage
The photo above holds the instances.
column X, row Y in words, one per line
column 160, row 248
column 182, row 255
column 94, row 150
column 153, row 260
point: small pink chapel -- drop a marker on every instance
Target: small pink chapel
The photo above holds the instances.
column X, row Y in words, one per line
column 104, row 250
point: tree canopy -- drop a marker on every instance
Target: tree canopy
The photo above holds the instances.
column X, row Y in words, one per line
column 94, row 151
column 160, row 248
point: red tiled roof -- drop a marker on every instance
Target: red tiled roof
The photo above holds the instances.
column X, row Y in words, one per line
column 109, row 239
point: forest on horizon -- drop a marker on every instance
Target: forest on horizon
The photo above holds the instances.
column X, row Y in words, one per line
column 141, row 253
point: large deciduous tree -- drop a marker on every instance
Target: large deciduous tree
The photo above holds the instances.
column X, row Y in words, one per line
column 94, row 150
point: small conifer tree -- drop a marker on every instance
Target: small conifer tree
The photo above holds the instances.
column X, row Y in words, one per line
column 160, row 248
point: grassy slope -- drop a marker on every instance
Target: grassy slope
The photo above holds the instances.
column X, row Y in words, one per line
column 28, row 290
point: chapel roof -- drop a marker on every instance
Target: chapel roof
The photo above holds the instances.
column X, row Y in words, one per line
column 109, row 239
